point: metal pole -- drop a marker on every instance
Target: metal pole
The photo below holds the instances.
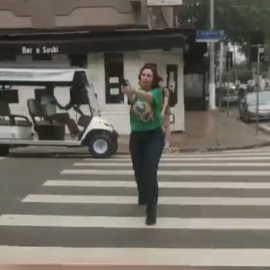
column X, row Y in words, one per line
column 221, row 57
column 258, row 87
column 212, row 87
column 228, row 91
column 219, row 89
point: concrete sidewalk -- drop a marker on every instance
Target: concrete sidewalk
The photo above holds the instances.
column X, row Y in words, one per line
column 202, row 134
column 211, row 131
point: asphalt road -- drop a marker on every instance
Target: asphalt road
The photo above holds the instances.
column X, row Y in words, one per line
column 214, row 210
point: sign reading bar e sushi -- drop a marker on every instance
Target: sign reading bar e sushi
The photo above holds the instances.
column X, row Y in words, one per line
column 40, row 50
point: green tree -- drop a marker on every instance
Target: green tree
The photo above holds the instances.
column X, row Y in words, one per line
column 238, row 18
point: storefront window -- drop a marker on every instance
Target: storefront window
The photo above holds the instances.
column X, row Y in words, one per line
column 114, row 75
column 172, row 78
column 78, row 60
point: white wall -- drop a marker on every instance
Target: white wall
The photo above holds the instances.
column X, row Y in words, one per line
column 116, row 114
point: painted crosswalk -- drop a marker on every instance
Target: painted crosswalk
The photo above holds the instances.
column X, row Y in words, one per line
column 214, row 211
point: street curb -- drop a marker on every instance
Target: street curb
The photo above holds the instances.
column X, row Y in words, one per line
column 172, row 150
column 213, row 149
column 264, row 128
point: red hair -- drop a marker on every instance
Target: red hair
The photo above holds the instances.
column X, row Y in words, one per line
column 156, row 77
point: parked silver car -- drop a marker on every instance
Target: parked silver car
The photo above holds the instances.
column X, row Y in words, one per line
column 248, row 106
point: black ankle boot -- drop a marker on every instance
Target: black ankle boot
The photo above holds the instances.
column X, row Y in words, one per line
column 151, row 216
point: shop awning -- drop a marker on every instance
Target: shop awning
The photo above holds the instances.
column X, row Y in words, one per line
column 80, row 43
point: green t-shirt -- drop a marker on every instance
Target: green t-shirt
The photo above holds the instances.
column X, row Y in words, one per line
column 147, row 116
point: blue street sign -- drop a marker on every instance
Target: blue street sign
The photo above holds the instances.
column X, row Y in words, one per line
column 209, row 35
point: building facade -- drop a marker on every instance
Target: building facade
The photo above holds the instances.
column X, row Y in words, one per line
column 112, row 39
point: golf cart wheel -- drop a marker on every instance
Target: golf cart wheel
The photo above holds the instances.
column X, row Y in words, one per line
column 101, row 146
column 4, row 150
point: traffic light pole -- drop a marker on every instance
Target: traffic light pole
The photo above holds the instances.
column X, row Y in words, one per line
column 228, row 92
column 229, row 66
column 258, row 87
column 212, row 85
column 219, row 90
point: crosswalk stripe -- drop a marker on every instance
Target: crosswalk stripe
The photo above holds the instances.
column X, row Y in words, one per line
column 132, row 200
column 135, row 222
column 169, row 173
column 132, row 184
column 176, row 159
column 200, row 154
column 89, row 214
column 223, row 164
column 193, row 155
column 135, row 256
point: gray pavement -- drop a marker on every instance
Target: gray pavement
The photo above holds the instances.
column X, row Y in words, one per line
column 214, row 211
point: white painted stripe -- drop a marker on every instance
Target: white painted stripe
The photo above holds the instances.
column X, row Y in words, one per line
column 169, row 173
column 229, row 154
column 186, row 155
column 223, row 164
column 131, row 200
column 189, row 159
column 134, row 222
column 18, row 255
column 264, row 153
column 132, row 184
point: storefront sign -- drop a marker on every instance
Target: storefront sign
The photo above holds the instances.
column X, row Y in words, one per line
column 40, row 50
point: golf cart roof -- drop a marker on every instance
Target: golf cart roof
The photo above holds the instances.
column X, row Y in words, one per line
column 38, row 75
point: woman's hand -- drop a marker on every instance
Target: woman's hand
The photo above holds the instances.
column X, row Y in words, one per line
column 127, row 90
column 162, row 84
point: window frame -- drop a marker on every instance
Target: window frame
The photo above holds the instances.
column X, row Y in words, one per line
column 109, row 58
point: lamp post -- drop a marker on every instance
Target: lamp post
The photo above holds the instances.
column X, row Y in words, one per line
column 212, row 86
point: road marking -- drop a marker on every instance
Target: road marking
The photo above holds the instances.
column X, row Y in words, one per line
column 169, row 173
column 132, row 184
column 135, row 256
column 223, row 164
column 231, row 158
column 134, row 222
column 196, row 154
column 131, row 200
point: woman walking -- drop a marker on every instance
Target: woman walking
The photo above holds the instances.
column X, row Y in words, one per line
column 146, row 138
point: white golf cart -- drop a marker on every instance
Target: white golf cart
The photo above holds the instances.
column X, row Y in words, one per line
column 35, row 128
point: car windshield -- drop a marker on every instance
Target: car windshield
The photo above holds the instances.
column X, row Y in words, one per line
column 264, row 97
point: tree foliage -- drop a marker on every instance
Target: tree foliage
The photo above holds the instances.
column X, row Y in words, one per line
column 238, row 18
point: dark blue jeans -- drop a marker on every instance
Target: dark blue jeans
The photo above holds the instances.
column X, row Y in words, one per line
column 146, row 149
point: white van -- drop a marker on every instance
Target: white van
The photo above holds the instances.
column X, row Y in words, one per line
column 37, row 128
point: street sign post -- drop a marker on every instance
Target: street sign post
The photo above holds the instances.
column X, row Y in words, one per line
column 259, row 52
column 257, row 44
column 209, row 35
column 229, row 66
